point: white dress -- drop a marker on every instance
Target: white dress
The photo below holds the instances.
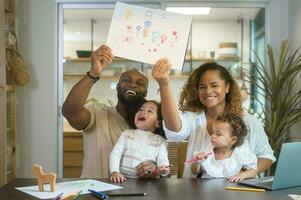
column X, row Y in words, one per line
column 241, row 158
column 194, row 128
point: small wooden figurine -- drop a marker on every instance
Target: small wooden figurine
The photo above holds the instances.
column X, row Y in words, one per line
column 44, row 178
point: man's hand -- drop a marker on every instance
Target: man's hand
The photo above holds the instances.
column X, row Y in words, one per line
column 145, row 169
column 100, row 58
column 161, row 70
column 116, row 177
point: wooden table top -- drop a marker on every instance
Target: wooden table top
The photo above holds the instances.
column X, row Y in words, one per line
column 165, row 188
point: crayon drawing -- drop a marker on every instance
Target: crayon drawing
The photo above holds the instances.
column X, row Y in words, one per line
column 146, row 35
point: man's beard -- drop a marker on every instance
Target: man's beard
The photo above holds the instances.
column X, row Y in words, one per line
column 131, row 106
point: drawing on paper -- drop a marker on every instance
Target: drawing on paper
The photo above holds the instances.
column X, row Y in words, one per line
column 146, row 35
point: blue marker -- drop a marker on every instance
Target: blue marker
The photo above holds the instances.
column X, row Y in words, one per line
column 58, row 196
column 99, row 194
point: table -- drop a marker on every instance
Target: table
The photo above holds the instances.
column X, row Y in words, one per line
column 165, row 188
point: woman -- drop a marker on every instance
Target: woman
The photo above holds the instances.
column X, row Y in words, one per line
column 209, row 92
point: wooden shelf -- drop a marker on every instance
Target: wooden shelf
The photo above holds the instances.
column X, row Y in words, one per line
column 89, row 59
column 79, row 76
column 219, row 59
column 8, row 88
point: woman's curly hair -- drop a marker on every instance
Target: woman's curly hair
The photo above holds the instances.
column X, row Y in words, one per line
column 189, row 100
column 237, row 126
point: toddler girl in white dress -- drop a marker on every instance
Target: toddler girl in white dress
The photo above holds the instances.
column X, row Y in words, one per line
column 146, row 143
column 229, row 157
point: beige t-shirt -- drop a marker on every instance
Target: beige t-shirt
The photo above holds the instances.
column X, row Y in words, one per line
column 100, row 136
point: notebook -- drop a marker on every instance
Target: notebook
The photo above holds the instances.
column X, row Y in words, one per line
column 288, row 170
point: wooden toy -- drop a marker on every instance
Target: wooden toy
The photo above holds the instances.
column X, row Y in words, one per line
column 44, row 178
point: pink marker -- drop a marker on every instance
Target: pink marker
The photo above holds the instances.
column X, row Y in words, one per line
column 195, row 159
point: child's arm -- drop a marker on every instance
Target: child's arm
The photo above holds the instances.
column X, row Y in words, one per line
column 169, row 109
column 249, row 168
column 195, row 168
column 249, row 173
column 162, row 161
column 115, row 157
column 117, row 177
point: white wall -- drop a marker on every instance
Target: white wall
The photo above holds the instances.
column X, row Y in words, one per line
column 277, row 22
column 37, row 101
column 294, row 29
column 294, row 25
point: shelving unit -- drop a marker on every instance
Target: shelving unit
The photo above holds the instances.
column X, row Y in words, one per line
column 173, row 76
column 79, row 76
column 7, row 101
column 230, row 59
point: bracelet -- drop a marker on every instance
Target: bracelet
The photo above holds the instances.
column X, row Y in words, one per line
column 92, row 77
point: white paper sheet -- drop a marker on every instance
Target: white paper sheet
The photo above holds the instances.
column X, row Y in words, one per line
column 68, row 187
column 295, row 196
column 146, row 35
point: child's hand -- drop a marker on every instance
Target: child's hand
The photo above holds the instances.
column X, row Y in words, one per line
column 161, row 71
column 195, row 168
column 236, row 178
column 116, row 177
column 202, row 155
column 248, row 173
column 164, row 169
column 144, row 169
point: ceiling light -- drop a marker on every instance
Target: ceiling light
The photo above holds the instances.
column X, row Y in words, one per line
column 189, row 10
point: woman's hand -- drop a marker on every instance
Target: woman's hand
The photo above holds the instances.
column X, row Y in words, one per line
column 116, row 177
column 161, row 70
column 100, row 58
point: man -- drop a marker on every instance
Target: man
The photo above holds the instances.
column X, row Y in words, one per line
column 103, row 125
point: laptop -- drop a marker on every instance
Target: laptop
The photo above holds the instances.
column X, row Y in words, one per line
column 288, row 170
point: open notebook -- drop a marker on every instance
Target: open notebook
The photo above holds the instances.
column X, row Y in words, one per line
column 288, row 171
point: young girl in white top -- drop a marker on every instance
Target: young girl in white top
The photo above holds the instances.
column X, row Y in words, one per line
column 228, row 158
column 146, row 143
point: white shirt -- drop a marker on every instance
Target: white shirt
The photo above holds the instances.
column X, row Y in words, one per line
column 134, row 147
column 194, row 128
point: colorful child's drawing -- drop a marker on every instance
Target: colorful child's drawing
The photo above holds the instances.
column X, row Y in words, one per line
column 146, row 35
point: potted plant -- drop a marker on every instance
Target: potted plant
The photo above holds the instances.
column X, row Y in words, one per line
column 277, row 81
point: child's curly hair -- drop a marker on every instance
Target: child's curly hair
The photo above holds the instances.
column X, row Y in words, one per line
column 189, row 100
column 237, row 125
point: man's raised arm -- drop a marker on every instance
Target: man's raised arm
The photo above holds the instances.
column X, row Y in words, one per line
column 73, row 108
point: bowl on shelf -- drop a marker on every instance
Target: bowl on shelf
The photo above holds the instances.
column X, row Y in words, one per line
column 83, row 53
